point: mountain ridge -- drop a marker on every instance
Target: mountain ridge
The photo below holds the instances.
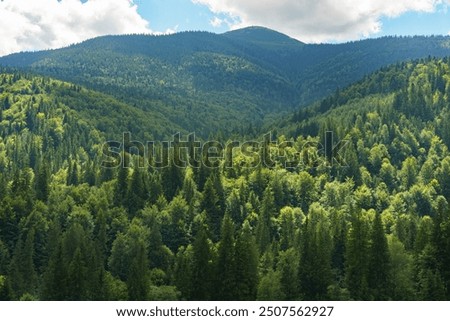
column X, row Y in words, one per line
column 252, row 74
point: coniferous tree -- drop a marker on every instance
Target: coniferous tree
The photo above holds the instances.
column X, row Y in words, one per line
column 225, row 280
column 246, row 262
column 22, row 275
column 137, row 281
column 183, row 272
column 264, row 227
column 356, row 257
column 201, row 267
column 172, row 179
column 379, row 262
column 136, row 195
column 209, row 205
column 121, row 188
column 42, row 184
column 287, row 268
column 315, row 255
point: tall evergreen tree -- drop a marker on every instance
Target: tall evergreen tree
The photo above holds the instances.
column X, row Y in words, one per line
column 42, row 184
column 264, row 227
column 201, row 267
column 137, row 282
column 357, row 257
column 246, row 262
column 379, row 261
column 315, row 255
column 136, row 195
column 22, row 275
column 226, row 265
column 210, row 205
column 121, row 188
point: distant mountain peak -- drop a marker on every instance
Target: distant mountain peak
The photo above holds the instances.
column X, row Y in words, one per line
column 258, row 34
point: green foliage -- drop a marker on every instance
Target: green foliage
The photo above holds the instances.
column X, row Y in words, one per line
column 376, row 230
column 204, row 82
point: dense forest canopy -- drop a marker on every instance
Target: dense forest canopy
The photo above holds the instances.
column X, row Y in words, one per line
column 206, row 83
column 376, row 229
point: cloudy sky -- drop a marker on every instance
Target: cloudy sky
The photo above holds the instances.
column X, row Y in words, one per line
column 43, row 24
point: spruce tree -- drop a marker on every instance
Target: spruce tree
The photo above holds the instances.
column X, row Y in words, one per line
column 137, row 281
column 42, row 184
column 210, row 205
column 356, row 258
column 246, row 261
column 201, row 267
column 226, row 266
column 315, row 255
column 136, row 195
column 264, row 227
column 121, row 188
column 22, row 275
column 379, row 262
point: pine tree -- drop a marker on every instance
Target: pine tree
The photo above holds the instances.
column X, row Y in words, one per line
column 356, row 258
column 42, row 185
column 77, row 277
column 136, row 193
column 137, row 282
column 22, row 275
column 379, row 262
column 55, row 277
column 172, row 180
column 218, row 187
column 183, row 272
column 315, row 255
column 121, row 188
column 201, row 267
column 225, row 281
column 177, row 228
column 246, row 261
column 264, row 227
column 288, row 270
column 209, row 205
column 72, row 174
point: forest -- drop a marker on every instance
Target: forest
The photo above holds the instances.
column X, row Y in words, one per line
column 374, row 228
column 220, row 83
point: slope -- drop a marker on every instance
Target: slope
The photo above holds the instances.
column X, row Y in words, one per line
column 376, row 229
column 207, row 82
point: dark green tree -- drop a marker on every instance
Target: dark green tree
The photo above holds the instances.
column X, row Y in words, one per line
column 264, row 227
column 379, row 262
column 42, row 182
column 314, row 270
column 210, row 205
column 201, row 267
column 137, row 281
column 357, row 257
column 121, row 187
column 225, row 280
column 246, row 262
column 136, row 195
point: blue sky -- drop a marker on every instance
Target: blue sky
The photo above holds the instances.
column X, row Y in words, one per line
column 417, row 23
column 181, row 15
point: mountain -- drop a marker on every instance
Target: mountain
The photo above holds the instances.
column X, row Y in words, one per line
column 293, row 221
column 349, row 200
column 207, row 83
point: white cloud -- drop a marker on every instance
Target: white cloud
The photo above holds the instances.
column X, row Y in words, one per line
column 216, row 22
column 44, row 24
column 168, row 31
column 318, row 20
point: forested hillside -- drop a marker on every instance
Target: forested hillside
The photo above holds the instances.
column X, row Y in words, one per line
column 207, row 83
column 375, row 226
